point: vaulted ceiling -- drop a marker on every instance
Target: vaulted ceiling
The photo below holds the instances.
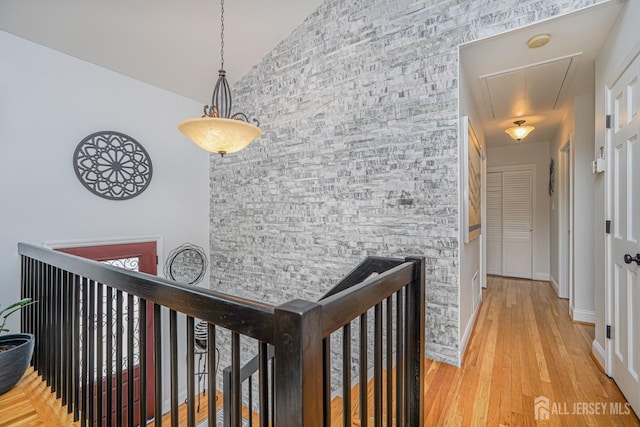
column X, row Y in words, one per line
column 171, row 44
column 175, row 45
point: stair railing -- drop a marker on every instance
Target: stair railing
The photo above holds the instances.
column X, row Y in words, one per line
column 80, row 299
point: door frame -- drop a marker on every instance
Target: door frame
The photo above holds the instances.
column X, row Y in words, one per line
column 565, row 200
column 134, row 245
column 80, row 243
column 531, row 167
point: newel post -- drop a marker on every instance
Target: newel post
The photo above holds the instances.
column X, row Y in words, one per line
column 415, row 342
column 298, row 358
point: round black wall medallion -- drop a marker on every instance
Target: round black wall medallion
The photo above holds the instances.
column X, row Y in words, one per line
column 112, row 165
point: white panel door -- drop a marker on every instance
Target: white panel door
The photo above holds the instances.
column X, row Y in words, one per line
column 517, row 223
column 494, row 223
column 625, row 98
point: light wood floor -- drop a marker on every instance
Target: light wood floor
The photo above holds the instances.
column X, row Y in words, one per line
column 523, row 346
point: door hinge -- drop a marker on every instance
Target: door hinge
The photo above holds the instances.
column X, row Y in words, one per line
column 608, row 121
column 609, row 331
column 607, row 226
column 157, row 261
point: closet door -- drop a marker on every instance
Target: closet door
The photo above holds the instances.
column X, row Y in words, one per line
column 494, row 223
column 517, row 223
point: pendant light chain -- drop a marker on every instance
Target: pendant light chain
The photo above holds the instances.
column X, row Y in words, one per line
column 222, row 33
column 219, row 130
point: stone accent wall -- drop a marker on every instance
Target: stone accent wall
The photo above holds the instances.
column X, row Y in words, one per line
column 359, row 108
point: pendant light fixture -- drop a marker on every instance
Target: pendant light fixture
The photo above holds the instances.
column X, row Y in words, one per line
column 218, row 130
column 519, row 132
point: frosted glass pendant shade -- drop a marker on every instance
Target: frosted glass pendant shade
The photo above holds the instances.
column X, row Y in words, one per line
column 519, row 132
column 218, row 135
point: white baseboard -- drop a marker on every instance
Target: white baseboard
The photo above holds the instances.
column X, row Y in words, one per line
column 467, row 332
column 555, row 285
column 542, row 276
column 598, row 353
column 586, row 316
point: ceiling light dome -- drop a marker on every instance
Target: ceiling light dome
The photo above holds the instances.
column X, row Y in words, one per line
column 538, row 40
column 519, row 132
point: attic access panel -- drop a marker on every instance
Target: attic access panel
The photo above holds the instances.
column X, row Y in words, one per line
column 532, row 89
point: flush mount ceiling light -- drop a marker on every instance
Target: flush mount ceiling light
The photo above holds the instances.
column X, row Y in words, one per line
column 219, row 131
column 519, row 132
column 538, row 40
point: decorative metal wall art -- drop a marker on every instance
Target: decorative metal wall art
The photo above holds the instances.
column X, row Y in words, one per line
column 552, row 176
column 112, row 165
column 186, row 264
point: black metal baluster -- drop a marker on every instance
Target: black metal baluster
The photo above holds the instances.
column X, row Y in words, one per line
column 23, row 293
column 173, row 344
column 363, row 370
column 263, row 394
column 346, row 375
column 250, row 411
column 48, row 326
column 57, row 333
column 236, row 390
column 66, row 337
column 143, row 360
column 191, row 372
column 40, row 320
column 92, row 339
column 130, row 358
column 31, row 287
column 109, row 372
column 75, row 352
column 27, row 325
column 85, row 352
column 273, row 391
column 377, row 367
column 389, row 358
column 326, row 380
column 157, row 364
column 399, row 360
column 118, row 334
column 211, row 363
column 99, row 354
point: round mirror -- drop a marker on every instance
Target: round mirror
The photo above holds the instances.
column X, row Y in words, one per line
column 186, row 264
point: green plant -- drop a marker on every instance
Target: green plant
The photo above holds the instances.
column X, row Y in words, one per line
column 8, row 311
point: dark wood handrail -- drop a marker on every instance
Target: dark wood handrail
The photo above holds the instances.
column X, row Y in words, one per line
column 344, row 306
column 370, row 265
column 250, row 318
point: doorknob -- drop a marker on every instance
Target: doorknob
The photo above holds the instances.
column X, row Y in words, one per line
column 629, row 259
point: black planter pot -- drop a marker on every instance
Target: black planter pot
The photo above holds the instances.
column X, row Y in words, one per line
column 14, row 362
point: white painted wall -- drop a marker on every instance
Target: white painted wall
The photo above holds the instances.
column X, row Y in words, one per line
column 563, row 136
column 48, row 103
column 538, row 154
column 470, row 253
column 623, row 40
column 583, row 239
column 577, row 127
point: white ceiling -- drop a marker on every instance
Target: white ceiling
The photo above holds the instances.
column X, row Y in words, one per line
column 175, row 45
column 509, row 81
column 172, row 44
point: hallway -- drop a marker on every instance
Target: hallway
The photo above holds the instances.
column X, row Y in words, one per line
column 524, row 346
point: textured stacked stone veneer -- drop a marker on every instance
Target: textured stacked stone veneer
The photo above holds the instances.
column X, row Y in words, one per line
column 359, row 108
